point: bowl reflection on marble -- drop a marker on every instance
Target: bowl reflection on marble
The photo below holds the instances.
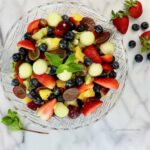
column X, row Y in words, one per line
column 16, row 33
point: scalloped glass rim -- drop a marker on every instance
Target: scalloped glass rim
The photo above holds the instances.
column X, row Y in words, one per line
column 16, row 33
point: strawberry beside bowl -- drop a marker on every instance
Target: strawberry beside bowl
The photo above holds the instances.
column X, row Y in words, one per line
column 101, row 108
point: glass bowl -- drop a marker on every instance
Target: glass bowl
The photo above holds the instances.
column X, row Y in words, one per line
column 16, row 33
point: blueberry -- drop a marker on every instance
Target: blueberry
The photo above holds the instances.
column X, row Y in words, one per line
column 98, row 29
column 98, row 95
column 112, row 74
column 69, row 36
column 43, row 47
column 103, row 75
column 70, row 83
column 72, row 25
column 145, row 25
column 37, row 100
column 33, row 93
column 115, row 65
column 23, row 52
column 56, row 91
column 59, row 98
column 135, row 27
column 65, row 17
column 80, row 28
column 50, row 32
column 27, row 36
column 80, row 103
column 52, row 96
column 87, row 61
column 63, row 44
column 16, row 57
column 96, row 88
column 52, row 70
column 132, row 44
column 34, row 83
column 138, row 58
column 148, row 56
column 14, row 82
column 79, row 81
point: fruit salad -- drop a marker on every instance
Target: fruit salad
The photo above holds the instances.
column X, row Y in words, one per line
column 64, row 66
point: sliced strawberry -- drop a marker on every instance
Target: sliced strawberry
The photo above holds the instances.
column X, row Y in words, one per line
column 91, row 52
column 107, row 67
column 107, row 58
column 89, row 107
column 35, row 30
column 85, row 87
column 33, row 25
column 46, row 80
column 26, row 44
column 104, row 91
column 107, row 83
column 19, row 79
column 46, row 111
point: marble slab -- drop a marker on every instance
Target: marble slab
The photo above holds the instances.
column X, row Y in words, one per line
column 127, row 127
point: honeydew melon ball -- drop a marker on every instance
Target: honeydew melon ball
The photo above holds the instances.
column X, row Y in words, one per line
column 87, row 38
column 64, row 76
column 61, row 110
column 40, row 66
column 54, row 19
column 25, row 70
column 95, row 69
column 107, row 48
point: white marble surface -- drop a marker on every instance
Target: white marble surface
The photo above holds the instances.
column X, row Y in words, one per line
column 127, row 127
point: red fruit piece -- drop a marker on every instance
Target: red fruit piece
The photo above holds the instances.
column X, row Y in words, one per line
column 107, row 58
column 27, row 45
column 90, row 107
column 104, row 91
column 20, row 91
column 85, row 87
column 145, row 41
column 46, row 80
column 19, row 79
column 32, row 105
column 107, row 83
column 33, row 25
column 120, row 21
column 74, row 112
column 134, row 8
column 61, row 28
column 91, row 52
column 107, row 67
column 46, row 111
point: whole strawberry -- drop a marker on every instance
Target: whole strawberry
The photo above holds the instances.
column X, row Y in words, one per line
column 145, row 41
column 120, row 21
column 134, row 8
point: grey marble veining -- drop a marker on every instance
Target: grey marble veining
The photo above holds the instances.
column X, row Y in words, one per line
column 127, row 127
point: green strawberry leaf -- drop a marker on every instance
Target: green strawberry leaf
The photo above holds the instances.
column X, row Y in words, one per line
column 70, row 59
column 54, row 59
column 61, row 68
column 75, row 67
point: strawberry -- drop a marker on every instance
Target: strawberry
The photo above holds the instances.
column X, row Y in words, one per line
column 104, row 91
column 91, row 52
column 107, row 58
column 107, row 83
column 120, row 21
column 89, row 107
column 107, row 67
column 134, row 8
column 34, row 25
column 145, row 41
column 85, row 87
column 46, row 111
column 46, row 80
column 19, row 79
column 26, row 44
